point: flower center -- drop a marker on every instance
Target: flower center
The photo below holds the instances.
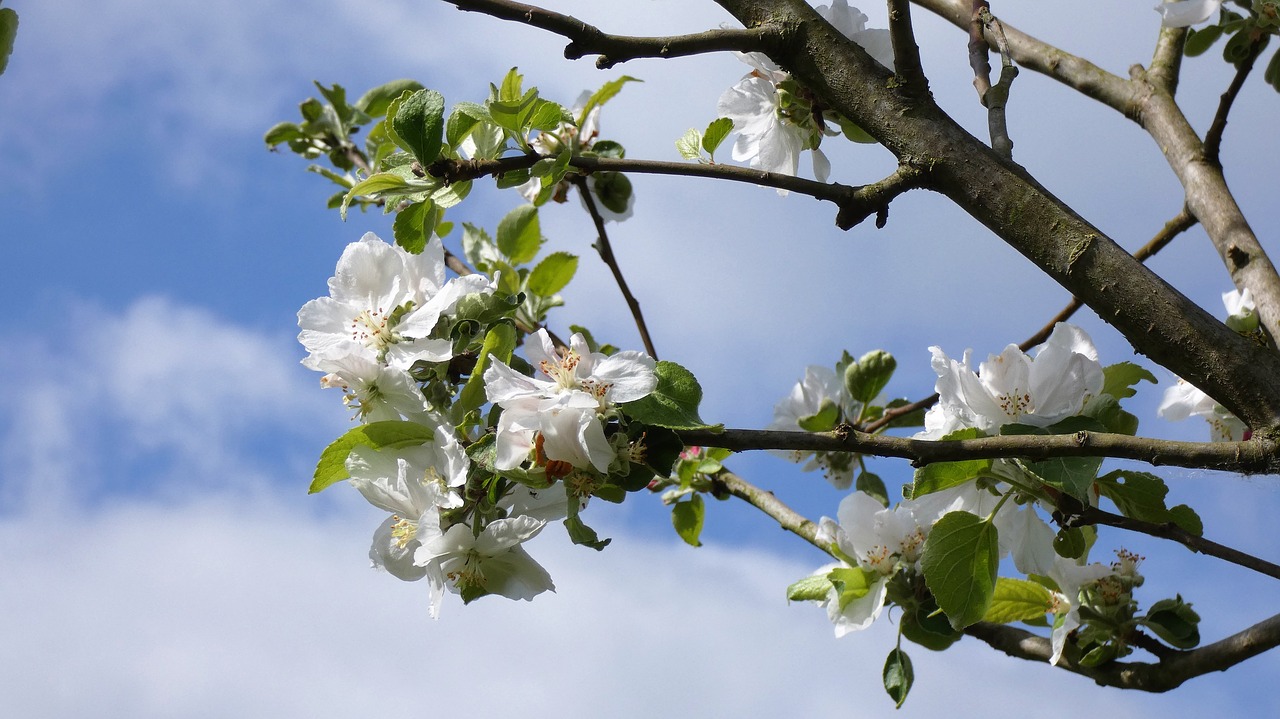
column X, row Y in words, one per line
column 561, row 370
column 373, row 329
column 880, row 559
column 1015, row 403
column 403, row 531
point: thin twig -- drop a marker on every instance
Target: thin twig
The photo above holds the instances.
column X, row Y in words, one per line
column 1257, row 455
column 906, row 52
column 1213, row 138
column 585, row 39
column 996, row 98
column 978, row 49
column 766, row 502
column 1172, row 532
column 606, row 253
column 855, row 202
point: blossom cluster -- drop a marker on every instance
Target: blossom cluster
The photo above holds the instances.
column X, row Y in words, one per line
column 1185, row 400
column 387, row 335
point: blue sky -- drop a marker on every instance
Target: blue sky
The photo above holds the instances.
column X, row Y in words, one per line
column 160, row 555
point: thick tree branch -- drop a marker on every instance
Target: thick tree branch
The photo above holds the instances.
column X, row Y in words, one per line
column 1174, row 227
column 1254, row 456
column 1148, row 100
column 585, row 39
column 1166, row 63
column 1158, row 320
column 605, row 249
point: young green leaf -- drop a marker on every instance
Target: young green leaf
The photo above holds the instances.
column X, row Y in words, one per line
column 1120, row 378
column 809, row 589
column 419, row 123
column 960, row 560
column 8, row 31
column 1016, row 600
column 690, row 145
column 938, row 476
column 375, row 102
column 1141, row 495
column 552, row 273
column 519, row 234
column 613, row 190
column 716, row 132
column 603, row 95
column 499, row 342
column 415, row 224
column 1073, row 475
column 898, row 676
column 673, row 403
column 871, row 484
column 687, row 518
column 391, row 434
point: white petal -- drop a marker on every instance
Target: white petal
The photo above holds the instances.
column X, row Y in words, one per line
column 1187, row 12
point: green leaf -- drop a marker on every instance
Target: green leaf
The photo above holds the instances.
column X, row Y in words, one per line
column 552, row 273
column 613, row 190
column 826, row 419
column 1141, row 495
column 512, row 86
column 871, row 484
column 809, row 589
column 673, row 403
column 716, row 132
column 1073, row 475
column 851, row 583
column 486, row 308
column 580, row 533
column 928, row 627
column 1119, row 379
column 1070, row 543
column 514, row 115
column 1174, row 621
column 608, row 148
column 865, row 378
column 477, row 246
column 690, row 144
column 280, row 132
column 8, row 32
column 1017, row 600
column 499, row 342
column 898, row 676
column 419, row 124
column 960, row 560
column 546, row 116
column 414, row 226
column 603, row 95
column 388, row 182
column 375, row 102
column 392, row 434
column 1271, row 75
column 1199, row 41
column 938, row 476
column 519, row 234
column 687, row 517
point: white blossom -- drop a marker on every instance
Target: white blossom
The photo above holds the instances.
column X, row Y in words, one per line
column 1182, row 13
column 1185, row 400
column 1012, row 387
column 492, row 562
column 820, row 388
column 565, row 409
column 383, row 304
column 769, row 141
column 877, row 540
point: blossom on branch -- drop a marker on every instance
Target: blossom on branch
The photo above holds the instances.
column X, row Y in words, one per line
column 1012, row 387
column 566, row 409
column 775, row 117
